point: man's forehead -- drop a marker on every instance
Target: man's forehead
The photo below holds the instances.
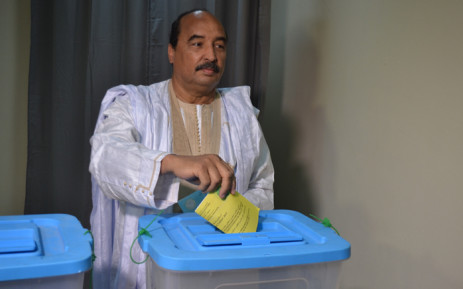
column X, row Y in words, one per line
column 200, row 24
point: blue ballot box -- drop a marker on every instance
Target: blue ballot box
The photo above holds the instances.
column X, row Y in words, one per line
column 289, row 250
column 43, row 251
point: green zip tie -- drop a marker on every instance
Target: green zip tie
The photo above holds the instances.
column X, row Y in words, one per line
column 325, row 222
column 143, row 231
column 93, row 257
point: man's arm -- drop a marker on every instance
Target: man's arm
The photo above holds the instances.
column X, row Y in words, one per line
column 123, row 167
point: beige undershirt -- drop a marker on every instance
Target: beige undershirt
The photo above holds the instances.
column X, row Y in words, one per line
column 193, row 135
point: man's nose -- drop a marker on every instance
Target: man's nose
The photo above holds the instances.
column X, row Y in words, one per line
column 211, row 54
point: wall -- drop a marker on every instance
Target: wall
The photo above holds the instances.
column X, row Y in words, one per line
column 14, row 69
column 364, row 118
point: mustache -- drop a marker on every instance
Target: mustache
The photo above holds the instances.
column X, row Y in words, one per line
column 208, row 65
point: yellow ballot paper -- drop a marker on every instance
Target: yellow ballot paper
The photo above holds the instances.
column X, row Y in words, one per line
column 234, row 214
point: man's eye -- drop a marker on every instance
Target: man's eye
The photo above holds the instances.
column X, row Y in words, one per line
column 197, row 44
column 221, row 46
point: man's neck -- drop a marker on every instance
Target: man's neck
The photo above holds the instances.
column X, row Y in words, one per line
column 191, row 95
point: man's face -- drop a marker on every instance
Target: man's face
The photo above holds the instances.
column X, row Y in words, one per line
column 199, row 58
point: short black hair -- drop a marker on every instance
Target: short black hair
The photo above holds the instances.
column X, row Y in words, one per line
column 175, row 28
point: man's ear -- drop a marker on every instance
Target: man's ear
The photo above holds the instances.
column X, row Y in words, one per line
column 171, row 53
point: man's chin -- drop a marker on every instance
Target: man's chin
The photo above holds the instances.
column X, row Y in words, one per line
column 209, row 81
column 209, row 77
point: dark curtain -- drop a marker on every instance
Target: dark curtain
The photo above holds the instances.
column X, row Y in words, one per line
column 81, row 48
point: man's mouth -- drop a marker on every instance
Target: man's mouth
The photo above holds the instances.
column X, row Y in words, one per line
column 212, row 66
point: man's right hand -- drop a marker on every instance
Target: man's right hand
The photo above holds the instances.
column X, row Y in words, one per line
column 207, row 171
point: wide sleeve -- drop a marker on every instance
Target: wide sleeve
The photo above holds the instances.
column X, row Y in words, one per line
column 254, row 168
column 122, row 166
column 260, row 188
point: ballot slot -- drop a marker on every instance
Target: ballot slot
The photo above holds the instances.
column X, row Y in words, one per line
column 191, row 232
column 269, row 233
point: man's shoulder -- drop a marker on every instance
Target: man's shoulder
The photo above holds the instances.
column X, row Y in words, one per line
column 243, row 90
column 141, row 94
column 139, row 90
column 141, row 97
column 238, row 97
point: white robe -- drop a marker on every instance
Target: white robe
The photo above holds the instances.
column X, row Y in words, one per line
column 132, row 135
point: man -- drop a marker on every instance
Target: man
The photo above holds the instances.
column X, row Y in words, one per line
column 182, row 134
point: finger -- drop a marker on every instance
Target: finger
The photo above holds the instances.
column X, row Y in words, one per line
column 204, row 186
column 203, row 180
column 226, row 187
column 217, row 170
column 228, row 182
column 233, row 190
column 233, row 186
column 215, row 179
